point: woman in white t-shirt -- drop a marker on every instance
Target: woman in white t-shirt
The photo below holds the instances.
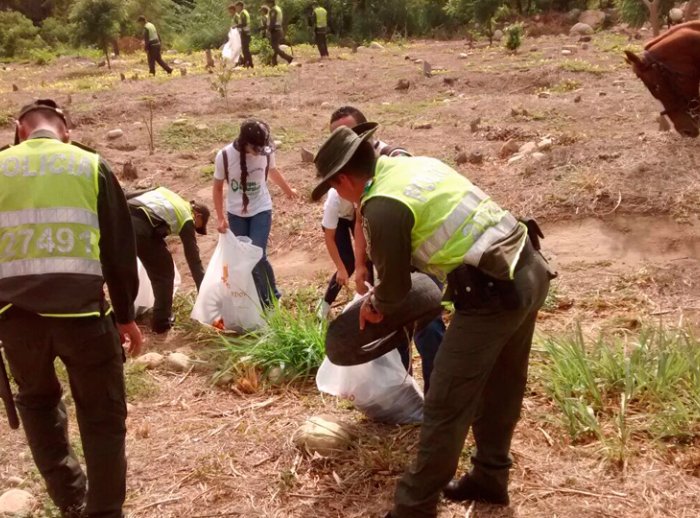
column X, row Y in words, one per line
column 244, row 165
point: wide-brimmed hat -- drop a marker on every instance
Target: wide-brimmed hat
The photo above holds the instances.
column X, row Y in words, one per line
column 335, row 153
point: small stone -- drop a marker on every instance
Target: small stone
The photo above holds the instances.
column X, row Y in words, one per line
column 585, row 39
column 403, row 84
column 514, row 159
column 418, row 61
column 462, row 158
column 423, row 126
column 508, row 148
column 476, row 158
column 602, row 94
column 285, row 48
column 129, row 171
column 150, row 360
column 376, row 46
column 101, row 64
column 307, row 156
column 527, row 148
column 14, row 481
column 16, row 502
column 566, row 52
column 538, row 157
column 201, row 127
column 618, row 82
column 178, row 362
column 544, row 95
column 449, row 81
column 463, row 55
column 115, row 134
column 180, row 122
column 534, row 49
column 584, row 46
column 183, row 72
column 474, row 125
column 577, row 99
column 122, row 76
column 544, row 144
column 676, row 15
column 177, row 61
column 325, row 104
column 295, row 64
column 278, row 143
column 129, row 408
column 324, row 435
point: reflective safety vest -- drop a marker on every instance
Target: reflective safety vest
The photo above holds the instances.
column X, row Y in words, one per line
column 321, row 18
column 454, row 221
column 152, row 32
column 235, row 20
column 48, row 212
column 168, row 206
column 278, row 17
column 244, row 21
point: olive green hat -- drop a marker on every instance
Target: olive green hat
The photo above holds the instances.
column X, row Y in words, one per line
column 335, row 153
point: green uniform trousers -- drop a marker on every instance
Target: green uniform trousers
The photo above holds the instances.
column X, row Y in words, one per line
column 478, row 381
column 94, row 358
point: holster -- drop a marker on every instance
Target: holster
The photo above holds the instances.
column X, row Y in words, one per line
column 468, row 288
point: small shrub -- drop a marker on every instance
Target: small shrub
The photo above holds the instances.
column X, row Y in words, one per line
column 220, row 82
column 41, row 56
column 514, row 37
column 263, row 50
column 57, row 32
column 17, row 35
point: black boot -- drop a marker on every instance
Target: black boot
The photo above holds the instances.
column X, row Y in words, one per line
column 467, row 488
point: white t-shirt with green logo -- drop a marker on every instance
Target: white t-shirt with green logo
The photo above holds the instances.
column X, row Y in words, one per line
column 259, row 199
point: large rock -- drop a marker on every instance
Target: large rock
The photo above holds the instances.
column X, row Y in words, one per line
column 285, row 48
column 323, row 435
column 592, row 17
column 581, row 29
column 178, row 362
column 150, row 360
column 508, row 148
column 16, row 502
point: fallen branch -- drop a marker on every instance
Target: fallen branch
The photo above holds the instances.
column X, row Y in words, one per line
column 159, row 502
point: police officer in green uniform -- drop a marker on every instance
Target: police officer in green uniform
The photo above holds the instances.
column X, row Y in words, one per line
column 243, row 26
column 264, row 26
column 319, row 21
column 276, row 32
column 65, row 230
column 155, row 215
column 419, row 212
column 152, row 46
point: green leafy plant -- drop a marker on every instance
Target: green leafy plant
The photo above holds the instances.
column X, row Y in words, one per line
column 41, row 56
column 220, row 82
column 514, row 36
column 263, row 50
column 97, row 22
column 18, row 35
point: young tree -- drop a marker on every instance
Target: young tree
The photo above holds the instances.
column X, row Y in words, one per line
column 97, row 22
column 637, row 12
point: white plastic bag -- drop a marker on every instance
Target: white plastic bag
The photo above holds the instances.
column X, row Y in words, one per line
column 145, row 299
column 228, row 297
column 232, row 48
column 380, row 389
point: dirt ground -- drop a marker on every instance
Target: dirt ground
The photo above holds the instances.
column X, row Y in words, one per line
column 617, row 199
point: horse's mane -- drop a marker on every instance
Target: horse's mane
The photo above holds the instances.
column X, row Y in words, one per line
column 693, row 26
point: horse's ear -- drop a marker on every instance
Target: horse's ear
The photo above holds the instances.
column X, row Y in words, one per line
column 632, row 58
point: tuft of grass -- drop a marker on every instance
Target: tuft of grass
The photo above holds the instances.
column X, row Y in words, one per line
column 568, row 85
column 6, row 118
column 618, row 387
column 139, row 385
column 207, row 172
column 289, row 346
column 580, row 65
column 186, row 137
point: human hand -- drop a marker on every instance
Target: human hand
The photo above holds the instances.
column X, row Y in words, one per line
column 369, row 314
column 293, row 194
column 361, row 276
column 341, row 277
column 222, row 226
column 131, row 338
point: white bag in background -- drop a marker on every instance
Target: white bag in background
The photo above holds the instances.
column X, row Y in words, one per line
column 228, row 291
column 145, row 299
column 232, row 48
column 380, row 389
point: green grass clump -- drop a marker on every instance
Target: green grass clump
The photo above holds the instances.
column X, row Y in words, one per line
column 183, row 137
column 292, row 342
column 580, row 65
column 616, row 387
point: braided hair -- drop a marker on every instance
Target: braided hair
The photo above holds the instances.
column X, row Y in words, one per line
column 256, row 133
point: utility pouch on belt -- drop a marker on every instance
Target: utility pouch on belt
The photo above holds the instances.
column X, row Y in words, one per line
column 471, row 289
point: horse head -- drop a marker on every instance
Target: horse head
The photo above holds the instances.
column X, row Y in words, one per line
column 670, row 72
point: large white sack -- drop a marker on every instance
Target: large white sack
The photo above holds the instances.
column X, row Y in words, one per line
column 380, row 389
column 228, row 294
column 232, row 48
column 145, row 299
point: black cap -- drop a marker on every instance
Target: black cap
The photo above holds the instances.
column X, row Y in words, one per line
column 40, row 104
column 257, row 134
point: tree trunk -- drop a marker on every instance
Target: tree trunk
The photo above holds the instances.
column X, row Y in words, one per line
column 115, row 46
column 653, row 6
column 106, row 49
